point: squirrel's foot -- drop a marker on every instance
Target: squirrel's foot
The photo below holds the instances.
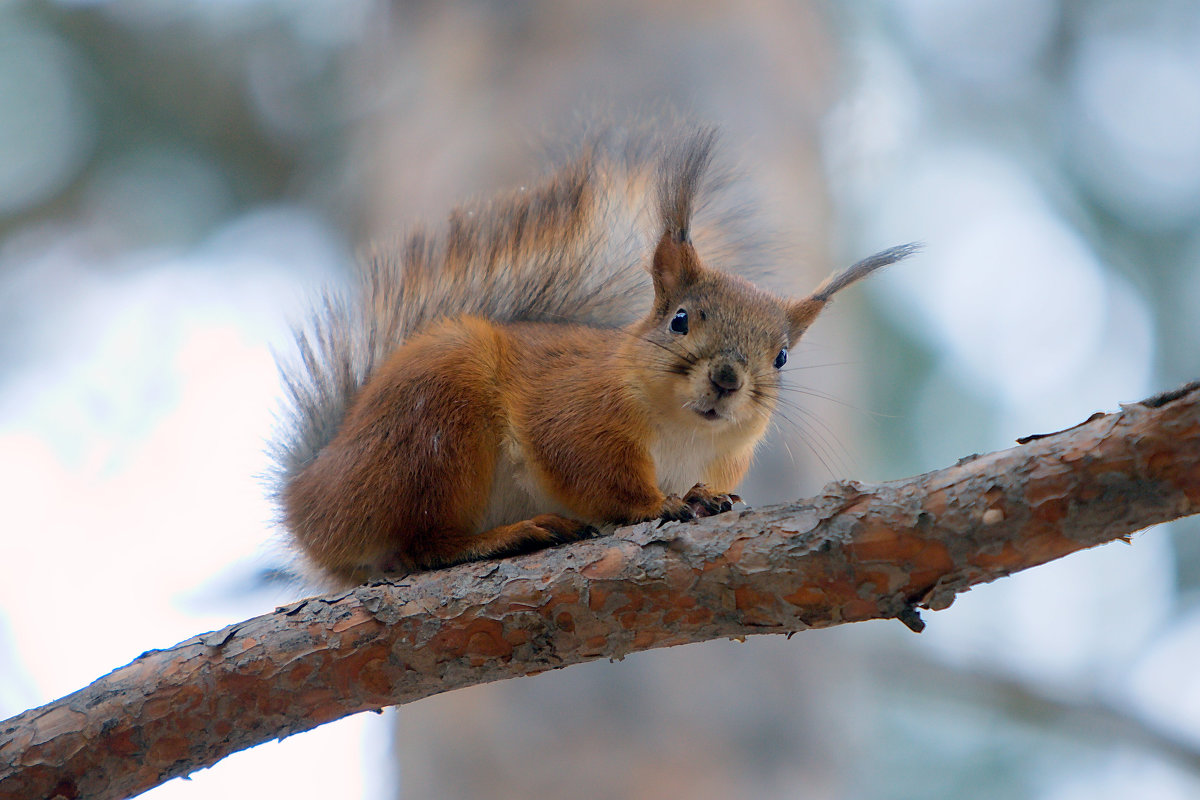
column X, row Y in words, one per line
column 557, row 529
column 705, row 502
column 700, row 501
column 675, row 509
column 526, row 536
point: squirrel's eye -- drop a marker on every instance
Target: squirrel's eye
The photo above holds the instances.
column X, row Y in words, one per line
column 781, row 359
column 679, row 323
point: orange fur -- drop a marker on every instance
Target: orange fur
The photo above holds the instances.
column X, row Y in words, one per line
column 469, row 420
column 406, row 482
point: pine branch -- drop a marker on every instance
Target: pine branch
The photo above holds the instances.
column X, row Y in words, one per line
column 855, row 552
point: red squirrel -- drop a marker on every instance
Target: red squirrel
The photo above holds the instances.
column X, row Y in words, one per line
column 505, row 386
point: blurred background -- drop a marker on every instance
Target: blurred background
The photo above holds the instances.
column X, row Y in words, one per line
column 176, row 178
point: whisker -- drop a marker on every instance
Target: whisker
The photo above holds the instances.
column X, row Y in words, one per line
column 820, row 439
column 817, row 446
column 797, row 367
column 834, row 399
column 687, row 355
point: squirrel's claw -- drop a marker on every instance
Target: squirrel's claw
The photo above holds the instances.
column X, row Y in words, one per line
column 705, row 502
column 700, row 501
column 676, row 509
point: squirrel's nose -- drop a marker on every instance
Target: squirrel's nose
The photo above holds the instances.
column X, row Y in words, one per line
column 724, row 378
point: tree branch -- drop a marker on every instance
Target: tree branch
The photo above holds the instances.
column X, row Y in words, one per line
column 855, row 552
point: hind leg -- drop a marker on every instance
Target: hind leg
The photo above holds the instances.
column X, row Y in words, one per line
column 406, row 477
column 455, row 547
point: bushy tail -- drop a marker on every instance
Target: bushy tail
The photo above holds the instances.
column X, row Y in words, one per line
column 574, row 248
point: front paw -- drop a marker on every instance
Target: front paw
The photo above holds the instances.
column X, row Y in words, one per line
column 704, row 502
column 700, row 501
column 675, row 509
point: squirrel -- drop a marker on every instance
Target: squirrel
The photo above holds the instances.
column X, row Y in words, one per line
column 516, row 382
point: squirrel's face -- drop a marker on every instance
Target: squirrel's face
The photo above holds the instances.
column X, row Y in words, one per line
column 716, row 348
column 715, row 343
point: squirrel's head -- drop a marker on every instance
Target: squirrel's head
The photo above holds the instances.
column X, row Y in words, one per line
column 717, row 343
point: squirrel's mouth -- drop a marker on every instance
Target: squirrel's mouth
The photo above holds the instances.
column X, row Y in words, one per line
column 710, row 414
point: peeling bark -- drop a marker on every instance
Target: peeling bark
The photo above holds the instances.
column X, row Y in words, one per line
column 855, row 552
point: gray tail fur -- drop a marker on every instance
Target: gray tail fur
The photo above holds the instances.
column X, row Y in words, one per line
column 574, row 248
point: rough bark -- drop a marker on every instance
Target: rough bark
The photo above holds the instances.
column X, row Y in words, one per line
column 855, row 552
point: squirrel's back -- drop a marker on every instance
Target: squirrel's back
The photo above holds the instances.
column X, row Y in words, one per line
column 573, row 247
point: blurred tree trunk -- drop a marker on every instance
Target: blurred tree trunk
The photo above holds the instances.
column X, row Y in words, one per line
column 461, row 94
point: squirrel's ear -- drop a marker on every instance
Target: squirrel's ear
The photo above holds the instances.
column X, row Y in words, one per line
column 801, row 313
column 675, row 267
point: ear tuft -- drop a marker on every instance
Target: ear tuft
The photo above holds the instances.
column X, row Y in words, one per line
column 801, row 313
column 675, row 267
column 681, row 178
column 840, row 280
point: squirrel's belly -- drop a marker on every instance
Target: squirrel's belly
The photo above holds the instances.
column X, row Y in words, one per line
column 516, row 493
